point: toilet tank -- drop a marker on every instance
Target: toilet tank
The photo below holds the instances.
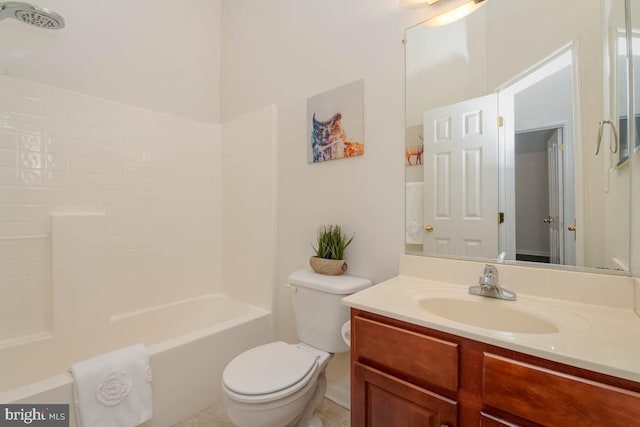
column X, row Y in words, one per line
column 318, row 309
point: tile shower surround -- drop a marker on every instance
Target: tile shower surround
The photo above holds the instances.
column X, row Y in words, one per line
column 157, row 178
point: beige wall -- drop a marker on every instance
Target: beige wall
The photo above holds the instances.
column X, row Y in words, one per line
column 635, row 215
column 446, row 64
column 158, row 54
column 635, row 166
column 249, row 166
column 285, row 51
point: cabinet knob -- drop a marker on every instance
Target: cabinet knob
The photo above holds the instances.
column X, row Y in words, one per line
column 429, row 229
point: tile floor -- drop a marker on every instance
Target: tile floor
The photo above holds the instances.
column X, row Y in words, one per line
column 331, row 414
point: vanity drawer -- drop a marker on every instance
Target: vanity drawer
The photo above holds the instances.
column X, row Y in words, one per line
column 552, row 398
column 489, row 421
column 408, row 353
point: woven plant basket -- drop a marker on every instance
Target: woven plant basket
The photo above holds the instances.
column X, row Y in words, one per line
column 332, row 267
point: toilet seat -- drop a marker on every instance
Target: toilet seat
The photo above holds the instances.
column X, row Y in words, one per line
column 269, row 372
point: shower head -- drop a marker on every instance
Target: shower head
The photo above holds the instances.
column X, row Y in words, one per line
column 30, row 14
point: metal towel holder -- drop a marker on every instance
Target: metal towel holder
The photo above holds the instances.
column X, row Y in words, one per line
column 613, row 145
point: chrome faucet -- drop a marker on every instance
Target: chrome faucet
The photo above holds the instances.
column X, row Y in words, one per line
column 489, row 287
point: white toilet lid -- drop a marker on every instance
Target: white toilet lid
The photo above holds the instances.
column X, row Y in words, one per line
column 267, row 369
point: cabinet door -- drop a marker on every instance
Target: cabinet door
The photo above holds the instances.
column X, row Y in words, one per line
column 554, row 398
column 381, row 400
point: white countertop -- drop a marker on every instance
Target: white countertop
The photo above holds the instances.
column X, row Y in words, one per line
column 601, row 338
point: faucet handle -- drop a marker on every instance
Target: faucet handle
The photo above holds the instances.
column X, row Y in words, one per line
column 490, row 269
column 489, row 286
column 489, row 276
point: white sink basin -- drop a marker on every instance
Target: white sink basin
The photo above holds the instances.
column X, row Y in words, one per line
column 488, row 314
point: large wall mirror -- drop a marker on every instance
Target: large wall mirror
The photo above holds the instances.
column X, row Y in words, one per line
column 505, row 110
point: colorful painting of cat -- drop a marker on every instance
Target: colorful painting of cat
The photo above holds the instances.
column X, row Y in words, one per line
column 329, row 141
column 335, row 123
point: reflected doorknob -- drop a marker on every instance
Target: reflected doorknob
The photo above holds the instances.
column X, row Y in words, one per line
column 571, row 228
column 428, row 228
column 547, row 220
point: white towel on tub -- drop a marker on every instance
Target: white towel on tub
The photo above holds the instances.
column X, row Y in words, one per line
column 113, row 389
column 413, row 212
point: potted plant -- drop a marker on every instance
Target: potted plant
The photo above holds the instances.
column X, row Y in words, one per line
column 329, row 258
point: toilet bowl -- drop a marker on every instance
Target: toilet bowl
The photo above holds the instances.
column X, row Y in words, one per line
column 280, row 384
column 271, row 385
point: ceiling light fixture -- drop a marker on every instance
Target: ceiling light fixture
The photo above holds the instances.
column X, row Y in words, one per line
column 454, row 14
column 408, row 4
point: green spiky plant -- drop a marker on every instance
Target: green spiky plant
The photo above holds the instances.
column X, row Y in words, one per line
column 331, row 242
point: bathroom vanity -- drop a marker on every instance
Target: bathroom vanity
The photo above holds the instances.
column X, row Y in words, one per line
column 549, row 358
column 403, row 374
column 510, row 133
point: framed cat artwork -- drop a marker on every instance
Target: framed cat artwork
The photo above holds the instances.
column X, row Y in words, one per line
column 335, row 123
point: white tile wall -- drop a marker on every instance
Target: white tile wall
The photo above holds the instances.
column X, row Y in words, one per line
column 25, row 287
column 157, row 178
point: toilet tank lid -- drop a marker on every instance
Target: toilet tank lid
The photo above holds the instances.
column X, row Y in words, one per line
column 343, row 284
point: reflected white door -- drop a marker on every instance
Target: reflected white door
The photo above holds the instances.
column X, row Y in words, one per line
column 555, row 220
column 461, row 178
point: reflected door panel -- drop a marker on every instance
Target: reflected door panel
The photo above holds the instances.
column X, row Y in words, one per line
column 461, row 175
column 555, row 198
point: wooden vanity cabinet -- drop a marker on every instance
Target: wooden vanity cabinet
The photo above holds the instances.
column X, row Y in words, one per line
column 404, row 375
column 390, row 401
column 387, row 376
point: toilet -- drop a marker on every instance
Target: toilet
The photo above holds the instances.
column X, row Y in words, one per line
column 280, row 384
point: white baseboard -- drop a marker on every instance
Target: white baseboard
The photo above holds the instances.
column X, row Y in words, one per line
column 619, row 264
column 339, row 395
column 532, row 253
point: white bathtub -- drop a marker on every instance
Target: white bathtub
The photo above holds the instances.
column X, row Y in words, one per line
column 190, row 342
